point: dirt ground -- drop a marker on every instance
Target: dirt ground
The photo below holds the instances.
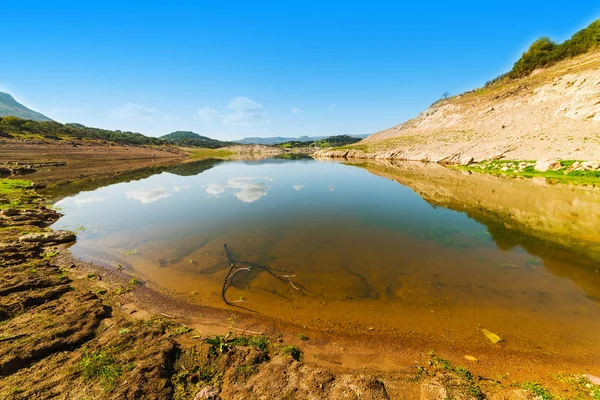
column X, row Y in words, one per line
column 83, row 159
column 74, row 330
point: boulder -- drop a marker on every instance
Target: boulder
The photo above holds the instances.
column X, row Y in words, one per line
column 208, row 393
column 38, row 185
column 593, row 379
column 466, row 160
column 49, row 237
column 546, row 164
column 590, row 165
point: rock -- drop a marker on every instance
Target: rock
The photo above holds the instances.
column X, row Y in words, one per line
column 38, row 185
column 590, row 165
column 466, row 160
column 208, row 392
column 593, row 379
column 24, row 170
column 49, row 237
column 433, row 391
column 9, row 212
column 546, row 164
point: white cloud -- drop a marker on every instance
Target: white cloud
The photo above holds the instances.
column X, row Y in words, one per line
column 147, row 195
column 298, row 187
column 241, row 111
column 296, row 111
column 136, row 111
column 245, row 111
column 208, row 114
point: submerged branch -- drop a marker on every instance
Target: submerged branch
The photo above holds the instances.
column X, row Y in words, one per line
column 227, row 282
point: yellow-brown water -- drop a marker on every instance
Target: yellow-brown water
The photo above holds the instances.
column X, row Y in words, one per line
column 335, row 248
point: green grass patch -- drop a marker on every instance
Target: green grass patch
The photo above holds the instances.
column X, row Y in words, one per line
column 212, row 153
column 584, row 388
column 100, row 365
column 303, row 337
column 538, row 390
column 360, row 147
column 292, row 351
column 526, row 169
column 463, row 381
column 15, row 193
column 180, row 330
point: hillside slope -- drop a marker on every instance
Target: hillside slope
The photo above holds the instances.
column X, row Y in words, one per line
column 10, row 107
column 192, row 139
column 553, row 113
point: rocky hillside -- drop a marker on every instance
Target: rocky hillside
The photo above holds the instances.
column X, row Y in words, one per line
column 552, row 113
column 10, row 107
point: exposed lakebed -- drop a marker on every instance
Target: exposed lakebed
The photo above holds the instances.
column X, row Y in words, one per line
column 337, row 248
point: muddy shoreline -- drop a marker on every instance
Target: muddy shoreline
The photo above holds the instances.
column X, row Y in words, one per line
column 43, row 282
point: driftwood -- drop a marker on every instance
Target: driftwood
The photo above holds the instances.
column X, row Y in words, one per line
column 227, row 283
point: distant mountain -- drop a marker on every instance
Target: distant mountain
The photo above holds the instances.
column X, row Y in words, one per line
column 279, row 140
column 191, row 139
column 10, row 107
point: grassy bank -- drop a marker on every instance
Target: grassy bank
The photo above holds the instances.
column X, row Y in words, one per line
column 17, row 193
column 526, row 169
column 211, row 153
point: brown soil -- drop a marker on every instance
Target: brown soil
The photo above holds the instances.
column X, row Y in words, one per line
column 75, row 330
column 84, row 159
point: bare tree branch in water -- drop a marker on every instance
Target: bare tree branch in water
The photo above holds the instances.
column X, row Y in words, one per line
column 289, row 278
column 227, row 283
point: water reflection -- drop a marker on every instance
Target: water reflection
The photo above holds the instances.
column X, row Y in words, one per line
column 146, row 196
column 340, row 247
column 245, row 189
column 83, row 201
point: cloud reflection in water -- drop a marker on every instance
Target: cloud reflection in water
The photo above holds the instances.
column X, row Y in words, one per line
column 247, row 189
column 146, row 196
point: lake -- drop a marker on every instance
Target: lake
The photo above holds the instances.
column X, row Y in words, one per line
column 411, row 251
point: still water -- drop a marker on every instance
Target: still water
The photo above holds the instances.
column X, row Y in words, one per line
column 338, row 248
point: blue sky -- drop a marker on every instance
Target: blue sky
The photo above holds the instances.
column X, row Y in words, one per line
column 230, row 69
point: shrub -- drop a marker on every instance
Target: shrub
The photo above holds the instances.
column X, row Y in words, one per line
column 544, row 52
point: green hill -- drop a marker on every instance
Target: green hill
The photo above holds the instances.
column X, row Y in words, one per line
column 268, row 141
column 331, row 141
column 10, row 107
column 191, row 139
column 22, row 128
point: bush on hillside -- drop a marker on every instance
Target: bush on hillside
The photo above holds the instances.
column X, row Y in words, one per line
column 544, row 52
